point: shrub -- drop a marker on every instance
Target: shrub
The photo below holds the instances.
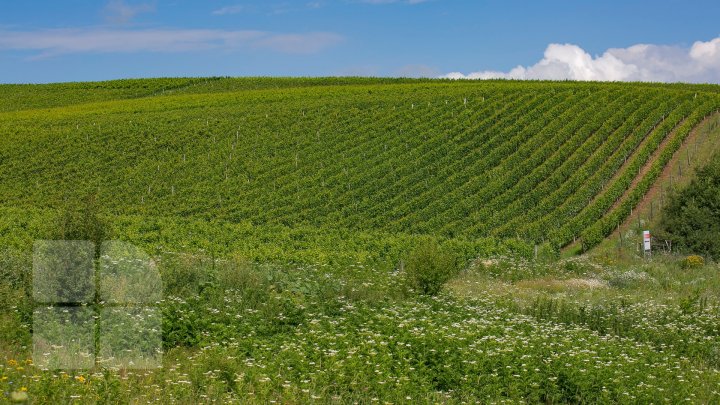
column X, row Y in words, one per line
column 185, row 274
column 429, row 267
column 691, row 219
column 693, row 262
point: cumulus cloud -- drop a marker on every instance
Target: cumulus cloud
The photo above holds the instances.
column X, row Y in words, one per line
column 72, row 41
column 120, row 12
column 649, row 63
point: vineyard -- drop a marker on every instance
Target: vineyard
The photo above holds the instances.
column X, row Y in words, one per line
column 352, row 240
column 536, row 163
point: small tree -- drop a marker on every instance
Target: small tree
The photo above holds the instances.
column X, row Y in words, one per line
column 429, row 267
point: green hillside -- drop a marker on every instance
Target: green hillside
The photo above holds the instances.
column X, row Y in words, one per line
column 351, row 240
column 539, row 162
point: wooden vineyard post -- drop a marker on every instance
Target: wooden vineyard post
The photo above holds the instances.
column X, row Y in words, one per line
column 651, row 210
column 662, row 196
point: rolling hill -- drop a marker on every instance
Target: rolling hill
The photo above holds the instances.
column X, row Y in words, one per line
column 267, row 166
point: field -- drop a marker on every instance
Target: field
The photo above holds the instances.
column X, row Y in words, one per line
column 281, row 213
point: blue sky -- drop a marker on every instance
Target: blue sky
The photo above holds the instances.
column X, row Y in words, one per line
column 73, row 40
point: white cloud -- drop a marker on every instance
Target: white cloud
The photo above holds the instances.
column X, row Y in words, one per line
column 73, row 41
column 229, row 10
column 119, row 12
column 649, row 63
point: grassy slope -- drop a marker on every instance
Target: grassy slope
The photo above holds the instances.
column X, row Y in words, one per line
column 376, row 156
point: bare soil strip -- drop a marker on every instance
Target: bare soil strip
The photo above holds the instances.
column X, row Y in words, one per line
column 648, row 164
column 657, row 187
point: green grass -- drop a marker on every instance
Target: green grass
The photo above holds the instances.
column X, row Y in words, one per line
column 235, row 331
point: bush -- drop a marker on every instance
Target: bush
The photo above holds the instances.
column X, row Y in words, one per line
column 185, row 275
column 693, row 262
column 691, row 219
column 429, row 267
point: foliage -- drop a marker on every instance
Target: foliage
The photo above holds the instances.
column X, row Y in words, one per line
column 275, row 208
column 429, row 267
column 693, row 262
column 691, row 218
column 343, row 334
column 542, row 162
column 677, row 127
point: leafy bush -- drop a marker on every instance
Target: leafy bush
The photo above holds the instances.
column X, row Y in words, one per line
column 429, row 267
column 693, row 262
column 183, row 274
column 691, row 219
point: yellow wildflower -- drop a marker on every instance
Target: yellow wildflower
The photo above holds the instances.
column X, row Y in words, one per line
column 80, row 378
column 12, row 363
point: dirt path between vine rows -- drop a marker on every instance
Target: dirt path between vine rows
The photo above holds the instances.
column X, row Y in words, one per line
column 645, row 168
column 670, row 171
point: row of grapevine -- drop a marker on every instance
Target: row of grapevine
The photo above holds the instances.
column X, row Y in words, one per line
column 536, row 161
column 593, row 234
column 593, row 165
